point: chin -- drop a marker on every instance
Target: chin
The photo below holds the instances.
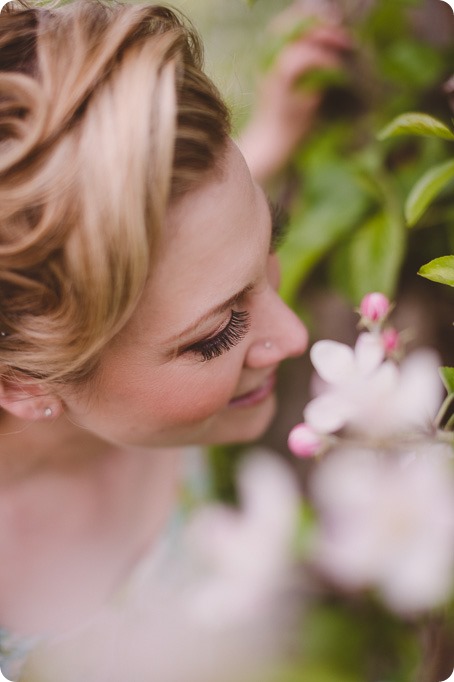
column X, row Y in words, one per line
column 246, row 425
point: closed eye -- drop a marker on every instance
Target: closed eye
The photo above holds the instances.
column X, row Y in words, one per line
column 214, row 346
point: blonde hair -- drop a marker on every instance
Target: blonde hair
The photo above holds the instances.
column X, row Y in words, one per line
column 105, row 117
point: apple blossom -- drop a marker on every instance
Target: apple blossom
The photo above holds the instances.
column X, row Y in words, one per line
column 372, row 396
column 388, row 523
column 247, row 551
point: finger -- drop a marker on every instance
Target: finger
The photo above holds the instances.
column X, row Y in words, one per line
column 331, row 37
column 322, row 10
column 299, row 59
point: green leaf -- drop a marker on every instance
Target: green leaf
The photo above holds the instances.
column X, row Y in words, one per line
column 439, row 270
column 411, row 63
column 447, row 376
column 330, row 207
column 371, row 259
column 416, row 124
column 426, row 189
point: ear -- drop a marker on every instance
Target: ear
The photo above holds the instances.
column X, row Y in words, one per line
column 28, row 400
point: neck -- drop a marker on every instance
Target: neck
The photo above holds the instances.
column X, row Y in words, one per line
column 31, row 448
column 123, row 499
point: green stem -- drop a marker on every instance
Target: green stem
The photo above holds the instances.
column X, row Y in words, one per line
column 443, row 409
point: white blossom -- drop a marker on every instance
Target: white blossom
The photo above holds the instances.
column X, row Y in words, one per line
column 388, row 522
column 370, row 395
column 247, row 551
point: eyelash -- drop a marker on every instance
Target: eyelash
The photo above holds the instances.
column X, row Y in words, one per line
column 234, row 332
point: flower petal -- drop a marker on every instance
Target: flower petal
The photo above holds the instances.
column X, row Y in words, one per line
column 334, row 362
column 421, row 389
column 369, row 352
column 327, row 413
column 262, row 477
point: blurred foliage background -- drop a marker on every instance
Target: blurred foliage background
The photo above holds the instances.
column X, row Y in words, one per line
column 345, row 190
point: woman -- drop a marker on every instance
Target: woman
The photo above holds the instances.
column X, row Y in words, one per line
column 139, row 310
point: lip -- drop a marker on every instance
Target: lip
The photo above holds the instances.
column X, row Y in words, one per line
column 257, row 395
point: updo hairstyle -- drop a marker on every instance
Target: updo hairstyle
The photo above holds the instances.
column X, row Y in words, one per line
column 105, row 118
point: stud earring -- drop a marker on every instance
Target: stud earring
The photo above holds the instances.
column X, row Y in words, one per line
column 48, row 412
column 267, row 344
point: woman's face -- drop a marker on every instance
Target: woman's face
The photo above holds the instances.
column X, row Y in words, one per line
column 197, row 361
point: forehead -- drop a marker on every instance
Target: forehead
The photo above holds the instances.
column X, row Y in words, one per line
column 229, row 191
column 213, row 245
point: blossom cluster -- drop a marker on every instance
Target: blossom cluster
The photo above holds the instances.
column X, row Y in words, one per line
column 384, row 487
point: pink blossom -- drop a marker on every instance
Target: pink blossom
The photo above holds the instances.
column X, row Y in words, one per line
column 374, row 307
column 391, row 340
column 303, row 441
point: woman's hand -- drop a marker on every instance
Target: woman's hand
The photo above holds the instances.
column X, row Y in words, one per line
column 285, row 109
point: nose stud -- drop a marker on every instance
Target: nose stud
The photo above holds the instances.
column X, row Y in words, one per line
column 48, row 412
column 267, row 344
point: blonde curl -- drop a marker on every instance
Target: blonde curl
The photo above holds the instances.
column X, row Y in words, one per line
column 105, row 117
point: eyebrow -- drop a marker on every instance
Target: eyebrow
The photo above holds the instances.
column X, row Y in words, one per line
column 280, row 224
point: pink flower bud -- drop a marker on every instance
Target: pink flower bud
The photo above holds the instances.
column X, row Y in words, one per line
column 391, row 340
column 374, row 307
column 303, row 441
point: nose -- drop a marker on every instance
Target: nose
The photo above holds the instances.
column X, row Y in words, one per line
column 277, row 333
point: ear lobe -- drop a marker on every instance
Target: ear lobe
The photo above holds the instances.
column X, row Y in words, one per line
column 28, row 401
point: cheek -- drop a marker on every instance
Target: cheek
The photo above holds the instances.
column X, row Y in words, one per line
column 274, row 271
column 186, row 396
